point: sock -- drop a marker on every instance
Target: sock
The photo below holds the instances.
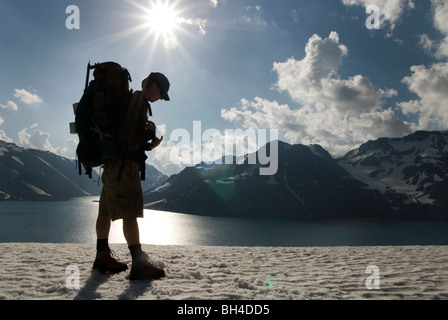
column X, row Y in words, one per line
column 102, row 245
column 136, row 251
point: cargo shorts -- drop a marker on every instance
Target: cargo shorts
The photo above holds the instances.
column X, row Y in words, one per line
column 121, row 199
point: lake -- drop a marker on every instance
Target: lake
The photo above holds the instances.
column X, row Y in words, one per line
column 74, row 222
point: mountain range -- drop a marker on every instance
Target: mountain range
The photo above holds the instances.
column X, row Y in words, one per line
column 389, row 177
column 410, row 172
column 30, row 174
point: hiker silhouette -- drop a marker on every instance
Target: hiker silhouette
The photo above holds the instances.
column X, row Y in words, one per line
column 131, row 134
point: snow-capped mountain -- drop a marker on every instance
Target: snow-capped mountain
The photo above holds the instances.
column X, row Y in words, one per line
column 29, row 174
column 309, row 183
column 153, row 178
column 412, row 172
column 389, row 177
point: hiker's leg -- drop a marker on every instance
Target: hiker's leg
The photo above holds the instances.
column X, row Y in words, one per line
column 102, row 227
column 131, row 231
column 105, row 261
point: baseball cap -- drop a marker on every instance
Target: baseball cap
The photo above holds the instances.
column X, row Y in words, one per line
column 162, row 83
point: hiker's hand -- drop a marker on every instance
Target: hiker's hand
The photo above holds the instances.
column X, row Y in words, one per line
column 154, row 143
column 150, row 130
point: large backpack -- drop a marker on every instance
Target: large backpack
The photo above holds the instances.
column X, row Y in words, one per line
column 98, row 113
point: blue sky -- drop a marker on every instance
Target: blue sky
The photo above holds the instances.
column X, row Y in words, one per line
column 311, row 68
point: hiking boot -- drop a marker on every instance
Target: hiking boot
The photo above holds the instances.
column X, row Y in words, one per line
column 144, row 269
column 107, row 262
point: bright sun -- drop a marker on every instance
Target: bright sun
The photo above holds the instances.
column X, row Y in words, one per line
column 162, row 19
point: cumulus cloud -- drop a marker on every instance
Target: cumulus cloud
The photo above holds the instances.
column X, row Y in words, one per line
column 438, row 49
column 391, row 10
column 9, row 105
column 426, row 43
column 336, row 113
column 69, row 149
column 213, row 3
column 315, row 80
column 160, row 157
column 430, row 84
column 4, row 137
column 27, row 97
column 440, row 9
column 262, row 113
column 35, row 138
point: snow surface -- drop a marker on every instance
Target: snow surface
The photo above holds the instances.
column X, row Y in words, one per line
column 48, row 271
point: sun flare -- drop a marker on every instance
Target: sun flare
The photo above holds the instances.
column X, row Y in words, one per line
column 162, row 19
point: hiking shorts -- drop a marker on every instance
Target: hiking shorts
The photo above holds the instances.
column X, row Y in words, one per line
column 121, row 199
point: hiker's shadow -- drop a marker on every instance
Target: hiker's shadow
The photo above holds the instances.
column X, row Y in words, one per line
column 88, row 291
column 135, row 290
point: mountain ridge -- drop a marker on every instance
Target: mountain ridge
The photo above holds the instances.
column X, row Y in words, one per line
column 403, row 177
column 308, row 184
column 388, row 177
column 37, row 175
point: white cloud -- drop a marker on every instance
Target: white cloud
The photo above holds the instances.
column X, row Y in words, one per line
column 440, row 9
column 430, row 84
column 253, row 18
column 336, row 113
column 426, row 43
column 261, row 113
column 314, row 80
column 27, row 97
column 391, row 10
column 160, row 158
column 4, row 137
column 35, row 138
column 69, row 149
column 440, row 20
column 9, row 105
column 213, row 3
column 307, row 125
column 200, row 23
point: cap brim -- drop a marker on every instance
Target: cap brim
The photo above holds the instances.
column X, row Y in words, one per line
column 166, row 97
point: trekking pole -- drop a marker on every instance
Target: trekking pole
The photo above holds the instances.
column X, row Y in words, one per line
column 88, row 74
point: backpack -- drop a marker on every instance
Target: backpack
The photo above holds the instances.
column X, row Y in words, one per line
column 98, row 112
